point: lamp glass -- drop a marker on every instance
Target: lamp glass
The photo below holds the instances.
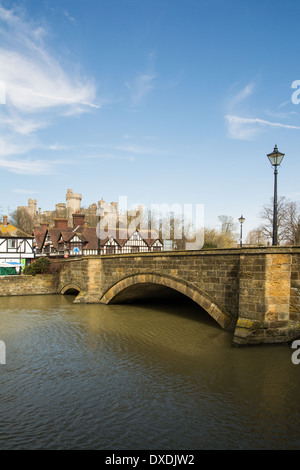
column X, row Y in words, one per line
column 275, row 157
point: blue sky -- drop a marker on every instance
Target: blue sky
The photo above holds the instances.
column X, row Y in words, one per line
column 162, row 101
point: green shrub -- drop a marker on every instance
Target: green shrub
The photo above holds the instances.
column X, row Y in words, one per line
column 40, row 266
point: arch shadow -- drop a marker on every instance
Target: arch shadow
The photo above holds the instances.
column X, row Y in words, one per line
column 70, row 289
column 200, row 297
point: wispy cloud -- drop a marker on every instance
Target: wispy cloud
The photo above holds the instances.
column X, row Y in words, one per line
column 131, row 148
column 34, row 79
column 38, row 88
column 24, row 191
column 27, row 166
column 111, row 156
column 143, row 83
column 241, row 95
column 247, row 128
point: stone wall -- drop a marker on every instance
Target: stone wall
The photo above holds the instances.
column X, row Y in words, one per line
column 295, row 288
column 269, row 306
column 40, row 284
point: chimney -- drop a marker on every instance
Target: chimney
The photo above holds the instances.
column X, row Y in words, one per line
column 78, row 220
column 59, row 222
column 5, row 220
column 44, row 226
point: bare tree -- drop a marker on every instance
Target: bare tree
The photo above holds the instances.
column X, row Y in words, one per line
column 22, row 219
column 288, row 221
column 256, row 237
column 291, row 222
column 229, row 227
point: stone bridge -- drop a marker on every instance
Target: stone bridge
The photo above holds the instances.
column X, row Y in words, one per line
column 253, row 292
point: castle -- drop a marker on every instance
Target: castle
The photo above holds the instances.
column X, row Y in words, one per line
column 73, row 206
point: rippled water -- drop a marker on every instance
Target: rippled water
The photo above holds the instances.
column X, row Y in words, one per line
column 139, row 377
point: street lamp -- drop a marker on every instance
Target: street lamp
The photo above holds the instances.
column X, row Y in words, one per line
column 241, row 221
column 100, row 211
column 275, row 159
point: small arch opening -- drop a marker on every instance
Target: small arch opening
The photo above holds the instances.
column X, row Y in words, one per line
column 71, row 291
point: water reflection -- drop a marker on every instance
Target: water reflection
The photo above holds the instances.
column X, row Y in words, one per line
column 135, row 376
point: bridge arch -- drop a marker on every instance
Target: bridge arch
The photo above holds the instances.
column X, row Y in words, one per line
column 189, row 290
column 70, row 289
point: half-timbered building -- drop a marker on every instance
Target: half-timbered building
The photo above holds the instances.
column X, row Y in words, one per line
column 82, row 240
column 16, row 246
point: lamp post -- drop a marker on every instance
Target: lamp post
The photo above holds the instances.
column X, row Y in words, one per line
column 100, row 211
column 241, row 221
column 275, row 159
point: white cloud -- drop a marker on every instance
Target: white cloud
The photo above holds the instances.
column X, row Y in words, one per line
column 143, row 83
column 36, row 83
column 247, row 128
column 242, row 94
column 26, row 167
column 23, row 126
column 132, row 149
column 24, row 191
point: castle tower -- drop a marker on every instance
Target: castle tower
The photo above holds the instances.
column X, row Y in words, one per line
column 32, row 206
column 73, row 201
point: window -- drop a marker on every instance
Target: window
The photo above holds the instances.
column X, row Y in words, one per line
column 157, row 248
column 12, row 243
column 110, row 250
column 134, row 249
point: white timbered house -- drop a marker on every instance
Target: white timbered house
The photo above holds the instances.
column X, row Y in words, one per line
column 157, row 245
column 83, row 241
column 16, row 246
column 135, row 244
column 50, row 243
column 111, row 247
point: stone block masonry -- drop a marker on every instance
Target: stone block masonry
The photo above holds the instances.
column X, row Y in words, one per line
column 41, row 284
column 269, row 306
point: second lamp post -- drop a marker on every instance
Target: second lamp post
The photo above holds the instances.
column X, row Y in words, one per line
column 241, row 221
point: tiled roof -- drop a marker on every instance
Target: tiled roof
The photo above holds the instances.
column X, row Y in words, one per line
column 9, row 230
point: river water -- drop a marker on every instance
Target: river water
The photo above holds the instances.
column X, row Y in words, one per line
column 131, row 377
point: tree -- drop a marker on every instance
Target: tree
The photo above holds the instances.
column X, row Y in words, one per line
column 229, row 234
column 229, row 227
column 291, row 222
column 225, row 238
column 256, row 237
column 288, row 221
column 21, row 219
